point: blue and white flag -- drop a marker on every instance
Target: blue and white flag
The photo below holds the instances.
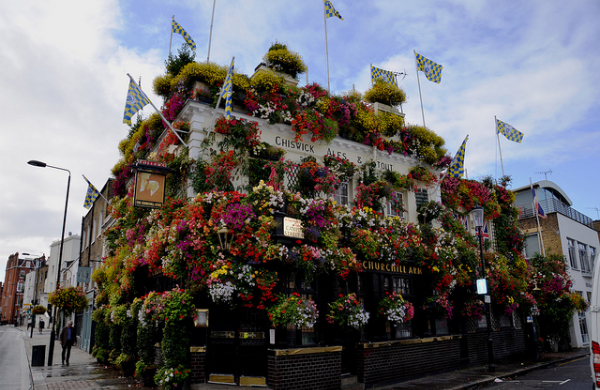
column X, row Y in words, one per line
column 537, row 208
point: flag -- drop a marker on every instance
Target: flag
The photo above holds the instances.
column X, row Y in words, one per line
column 464, row 220
column 91, row 194
column 136, row 100
column 385, row 75
column 227, row 86
column 457, row 166
column 432, row 71
column 508, row 131
column 176, row 28
column 485, row 233
column 331, row 11
column 537, row 208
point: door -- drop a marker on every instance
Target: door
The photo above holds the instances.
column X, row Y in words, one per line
column 237, row 346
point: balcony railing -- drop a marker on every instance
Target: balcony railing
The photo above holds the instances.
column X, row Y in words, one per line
column 553, row 205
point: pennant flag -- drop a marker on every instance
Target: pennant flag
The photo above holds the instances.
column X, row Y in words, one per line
column 331, row 11
column 457, row 166
column 227, row 86
column 385, row 75
column 432, row 71
column 508, row 131
column 176, row 28
column 91, row 194
column 136, row 100
column 537, row 208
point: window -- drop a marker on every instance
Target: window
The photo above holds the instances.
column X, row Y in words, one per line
column 583, row 257
column 421, row 196
column 402, row 286
column 100, row 224
column 572, row 258
column 342, row 194
column 395, row 205
column 592, row 257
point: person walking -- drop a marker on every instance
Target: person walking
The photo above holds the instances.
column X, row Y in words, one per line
column 67, row 340
column 41, row 323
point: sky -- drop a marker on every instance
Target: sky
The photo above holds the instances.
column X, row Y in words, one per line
column 64, row 64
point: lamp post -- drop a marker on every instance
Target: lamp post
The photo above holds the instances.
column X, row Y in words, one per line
column 40, row 164
column 477, row 214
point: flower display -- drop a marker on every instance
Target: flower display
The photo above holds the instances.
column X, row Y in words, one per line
column 170, row 378
column 38, row 309
column 395, row 309
column 293, row 310
column 68, row 299
column 314, row 177
column 347, row 311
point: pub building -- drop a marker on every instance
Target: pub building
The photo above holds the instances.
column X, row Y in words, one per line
column 238, row 345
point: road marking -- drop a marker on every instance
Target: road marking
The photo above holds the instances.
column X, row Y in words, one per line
column 559, row 382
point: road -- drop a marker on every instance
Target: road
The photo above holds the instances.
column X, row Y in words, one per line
column 14, row 366
column 573, row 375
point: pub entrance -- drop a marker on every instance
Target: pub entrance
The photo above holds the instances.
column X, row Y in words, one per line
column 237, row 346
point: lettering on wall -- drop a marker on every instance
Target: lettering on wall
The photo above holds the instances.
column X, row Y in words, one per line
column 393, row 268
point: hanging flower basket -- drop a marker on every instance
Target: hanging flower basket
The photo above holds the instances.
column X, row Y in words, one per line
column 395, row 309
column 69, row 299
column 293, row 310
column 347, row 311
column 39, row 309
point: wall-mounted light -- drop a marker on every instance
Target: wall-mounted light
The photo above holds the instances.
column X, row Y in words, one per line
column 225, row 238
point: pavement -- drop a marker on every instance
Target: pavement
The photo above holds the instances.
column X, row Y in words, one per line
column 84, row 372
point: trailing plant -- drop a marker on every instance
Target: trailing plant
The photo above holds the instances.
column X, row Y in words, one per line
column 347, row 311
column 395, row 309
column 386, row 93
column 293, row 310
column 280, row 59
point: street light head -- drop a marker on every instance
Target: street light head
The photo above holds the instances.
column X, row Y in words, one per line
column 477, row 214
column 37, row 163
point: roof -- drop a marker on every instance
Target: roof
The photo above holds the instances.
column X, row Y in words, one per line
column 548, row 186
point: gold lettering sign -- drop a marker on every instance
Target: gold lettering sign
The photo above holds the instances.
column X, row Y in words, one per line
column 292, row 227
column 392, row 268
column 252, row 335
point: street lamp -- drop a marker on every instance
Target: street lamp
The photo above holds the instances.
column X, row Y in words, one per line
column 477, row 214
column 40, row 164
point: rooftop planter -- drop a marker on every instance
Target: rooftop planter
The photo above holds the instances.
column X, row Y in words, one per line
column 280, row 59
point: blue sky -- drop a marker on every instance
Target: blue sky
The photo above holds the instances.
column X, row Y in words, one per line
column 63, row 84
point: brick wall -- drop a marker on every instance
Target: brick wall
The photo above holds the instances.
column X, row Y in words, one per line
column 380, row 363
column 309, row 368
column 550, row 232
column 387, row 362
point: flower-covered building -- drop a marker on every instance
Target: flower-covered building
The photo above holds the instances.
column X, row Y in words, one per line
column 306, row 239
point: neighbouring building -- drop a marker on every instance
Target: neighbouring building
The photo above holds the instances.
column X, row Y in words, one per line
column 564, row 231
column 93, row 225
column 70, row 254
column 17, row 269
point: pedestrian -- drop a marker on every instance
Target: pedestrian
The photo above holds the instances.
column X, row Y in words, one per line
column 41, row 323
column 67, row 340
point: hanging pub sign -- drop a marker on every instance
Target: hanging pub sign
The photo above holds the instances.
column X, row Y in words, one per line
column 150, row 179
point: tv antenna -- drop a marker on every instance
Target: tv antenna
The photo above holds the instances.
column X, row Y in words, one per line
column 597, row 210
column 545, row 173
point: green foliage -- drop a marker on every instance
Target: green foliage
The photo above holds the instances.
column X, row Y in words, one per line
column 185, row 55
column 385, row 93
column 265, row 81
column 430, row 146
column 280, row 59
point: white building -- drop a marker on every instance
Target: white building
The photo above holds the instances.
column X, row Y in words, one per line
column 70, row 254
column 564, row 231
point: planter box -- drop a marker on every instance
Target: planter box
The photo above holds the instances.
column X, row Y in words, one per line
column 385, row 108
column 289, row 80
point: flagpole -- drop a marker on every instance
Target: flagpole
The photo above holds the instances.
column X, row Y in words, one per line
column 171, row 39
column 326, row 48
column 419, row 83
column 159, row 113
column 211, row 26
column 537, row 220
column 499, row 149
